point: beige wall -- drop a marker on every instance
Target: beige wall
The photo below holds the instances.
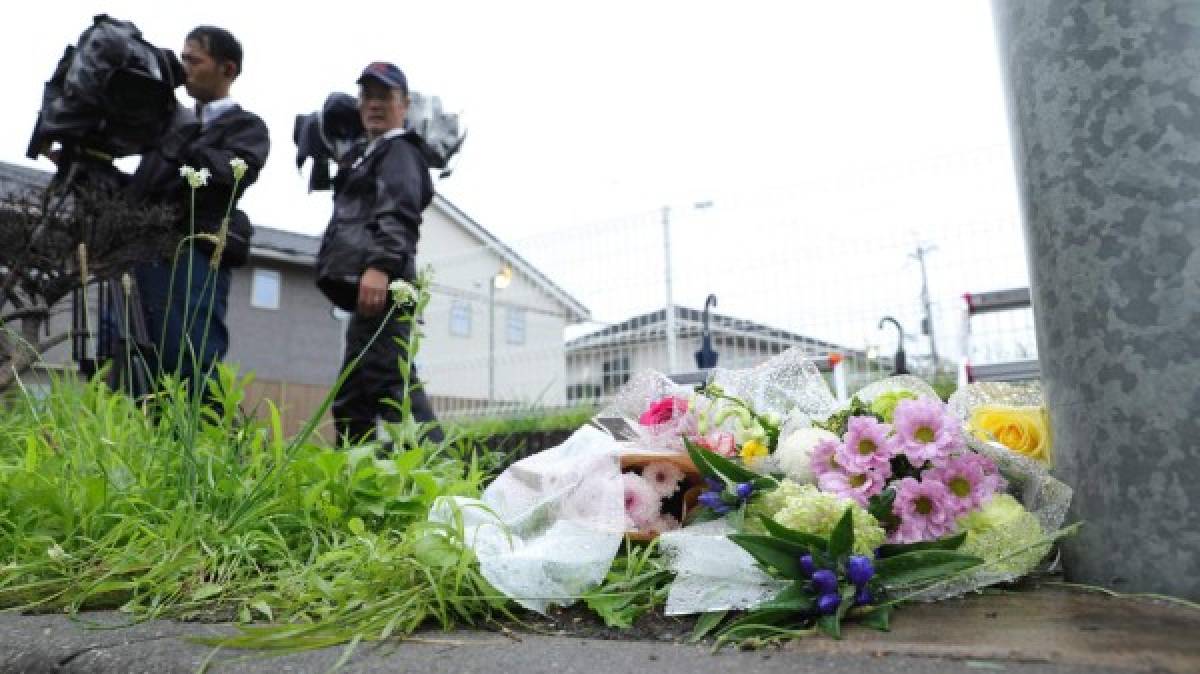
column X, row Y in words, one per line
column 457, row 366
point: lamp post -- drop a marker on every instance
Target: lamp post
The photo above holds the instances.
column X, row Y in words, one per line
column 498, row 281
column 898, row 365
column 670, row 312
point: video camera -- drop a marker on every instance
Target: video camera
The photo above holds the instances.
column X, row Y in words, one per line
column 111, row 95
column 332, row 133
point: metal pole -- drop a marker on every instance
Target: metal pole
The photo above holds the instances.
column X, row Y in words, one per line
column 927, row 304
column 666, row 223
column 491, row 339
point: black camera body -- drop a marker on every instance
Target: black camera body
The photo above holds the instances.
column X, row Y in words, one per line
column 111, row 95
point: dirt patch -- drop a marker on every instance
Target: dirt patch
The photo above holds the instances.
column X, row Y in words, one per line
column 579, row 621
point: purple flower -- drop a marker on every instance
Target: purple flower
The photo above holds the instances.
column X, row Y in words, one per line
column 825, row 581
column 862, row 597
column 807, row 566
column 866, row 446
column 924, row 510
column 713, row 500
column 859, row 570
column 926, row 431
column 824, row 458
column 970, row 479
column 744, row 490
column 856, row 485
column 827, row 604
column 714, row 484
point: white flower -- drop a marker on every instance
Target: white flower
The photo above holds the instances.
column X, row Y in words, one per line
column 403, row 292
column 195, row 178
column 794, row 453
column 239, row 167
column 56, row 552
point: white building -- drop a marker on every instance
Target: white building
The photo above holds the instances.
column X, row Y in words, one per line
column 600, row 362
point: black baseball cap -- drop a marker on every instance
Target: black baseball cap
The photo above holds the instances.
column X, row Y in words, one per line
column 387, row 73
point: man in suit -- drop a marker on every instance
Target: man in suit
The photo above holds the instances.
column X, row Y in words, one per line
column 184, row 299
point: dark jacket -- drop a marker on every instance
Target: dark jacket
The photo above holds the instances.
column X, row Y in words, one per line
column 376, row 219
column 236, row 133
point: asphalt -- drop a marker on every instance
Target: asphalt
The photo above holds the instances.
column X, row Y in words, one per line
column 1048, row 630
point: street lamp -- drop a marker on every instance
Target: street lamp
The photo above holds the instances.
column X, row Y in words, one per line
column 898, row 366
column 499, row 281
column 670, row 312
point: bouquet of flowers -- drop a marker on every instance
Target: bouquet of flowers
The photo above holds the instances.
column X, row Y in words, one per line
column 894, row 495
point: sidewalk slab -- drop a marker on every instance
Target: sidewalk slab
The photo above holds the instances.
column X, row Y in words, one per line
column 1050, row 631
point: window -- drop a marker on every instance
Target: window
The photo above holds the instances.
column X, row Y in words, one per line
column 516, row 326
column 264, row 289
column 460, row 318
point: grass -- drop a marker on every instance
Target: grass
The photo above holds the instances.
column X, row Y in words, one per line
column 166, row 509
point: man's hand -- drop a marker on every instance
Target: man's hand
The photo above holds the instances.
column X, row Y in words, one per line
column 372, row 292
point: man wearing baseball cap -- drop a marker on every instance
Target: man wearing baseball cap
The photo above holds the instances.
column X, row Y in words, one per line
column 371, row 240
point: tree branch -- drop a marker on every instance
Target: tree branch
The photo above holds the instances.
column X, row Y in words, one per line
column 24, row 358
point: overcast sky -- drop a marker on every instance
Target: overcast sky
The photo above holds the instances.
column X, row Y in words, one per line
column 849, row 121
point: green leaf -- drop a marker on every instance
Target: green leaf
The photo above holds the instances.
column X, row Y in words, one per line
column 795, row 597
column 356, row 526
column 846, row 602
column 782, row 556
column 206, row 591
column 879, row 619
column 810, row 541
column 947, row 543
column 880, row 505
column 922, row 566
column 263, row 608
column 706, row 623
column 711, row 464
column 830, row 625
column 841, row 539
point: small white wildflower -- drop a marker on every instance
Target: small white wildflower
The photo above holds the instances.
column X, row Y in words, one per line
column 403, row 292
column 56, row 552
column 239, row 167
column 195, row 178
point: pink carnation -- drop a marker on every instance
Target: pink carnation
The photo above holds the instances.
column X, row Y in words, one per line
column 866, row 445
column 719, row 442
column 926, row 430
column 970, row 479
column 664, row 476
column 642, row 503
column 664, row 410
column 924, row 510
column 857, row 485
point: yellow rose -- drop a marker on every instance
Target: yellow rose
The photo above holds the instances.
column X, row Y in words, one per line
column 1025, row 430
column 752, row 452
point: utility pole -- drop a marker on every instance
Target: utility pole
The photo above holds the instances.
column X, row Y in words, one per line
column 922, row 251
column 670, row 325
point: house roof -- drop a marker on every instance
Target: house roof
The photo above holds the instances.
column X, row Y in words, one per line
column 577, row 310
column 277, row 244
column 15, row 179
column 651, row 327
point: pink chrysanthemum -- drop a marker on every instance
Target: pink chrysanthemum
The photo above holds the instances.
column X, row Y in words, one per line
column 824, row 458
column 970, row 479
column 866, row 445
column 924, row 510
column 642, row 503
column 664, row 476
column 926, row 431
column 859, row 486
column 663, row 523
